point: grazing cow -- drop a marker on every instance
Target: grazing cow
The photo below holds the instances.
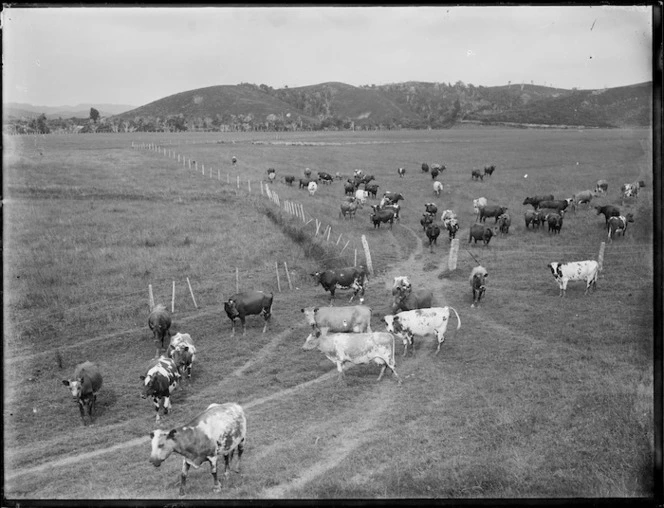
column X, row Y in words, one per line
column 476, row 175
column 349, row 209
column 533, row 217
column 337, row 176
column 630, row 190
column 162, row 378
column 554, row 204
column 218, row 431
column 579, row 270
column 354, row 318
column 366, row 179
column 401, row 172
column 241, row 305
column 482, row 232
column 536, row 200
column 437, row 188
column 84, row 387
column 430, row 208
column 401, row 283
column 307, row 173
column 289, row 179
column 355, row 348
column 407, row 299
column 392, row 197
column 354, row 278
column 488, row 170
column 602, row 186
column 478, row 277
column 371, row 189
column 433, row 232
column 425, row 167
column 361, row 195
column 159, row 322
column 325, row 178
column 492, row 211
column 312, row 188
column 435, row 171
column 504, row 223
column 233, row 160
column 582, row 197
column 304, row 183
column 555, row 222
column 421, row 322
column 618, row 225
column 349, row 189
column 426, row 219
column 608, row 211
column 183, row 352
column 383, row 216
column 478, row 204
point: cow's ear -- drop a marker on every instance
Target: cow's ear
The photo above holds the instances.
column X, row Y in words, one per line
column 65, row 382
column 302, row 310
column 142, row 377
column 171, row 434
column 186, row 348
column 316, row 309
column 151, row 435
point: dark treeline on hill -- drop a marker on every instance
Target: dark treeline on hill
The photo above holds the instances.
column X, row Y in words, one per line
column 338, row 106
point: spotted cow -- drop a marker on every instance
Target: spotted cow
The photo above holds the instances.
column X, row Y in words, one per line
column 587, row 271
column 162, row 378
column 420, row 322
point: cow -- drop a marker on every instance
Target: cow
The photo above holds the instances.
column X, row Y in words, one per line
column 407, row 299
column 608, row 211
column 382, row 216
column 425, row 167
column 337, row 176
column 325, row 178
column 220, row 430
column 533, row 217
column 307, row 173
column 504, row 223
column 183, row 352
column 494, row 211
column 433, row 232
column 488, row 170
column 536, row 200
column 583, row 197
column 555, row 222
column 84, row 387
column 430, row 208
column 371, row 189
column 354, row 278
column 478, row 204
column 401, row 172
column 289, row 179
column 234, row 160
column 162, row 378
column 435, row 171
column 396, row 208
column 482, row 232
column 579, row 270
column 304, row 183
column 355, row 348
column 270, row 171
column 312, row 188
column 366, row 179
column 554, row 204
column 476, row 175
column 159, row 322
column 392, row 197
column 437, row 188
column 353, row 318
column 630, row 190
column 349, row 188
column 361, row 195
column 426, row 219
column 247, row 303
column 421, row 322
column 451, row 223
column 349, row 209
column 618, row 225
column 477, row 279
column 401, row 283
column 602, row 186
column 271, row 174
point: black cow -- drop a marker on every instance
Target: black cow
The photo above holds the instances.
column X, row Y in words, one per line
column 401, row 172
column 430, row 208
column 383, row 216
column 354, row 278
column 476, row 175
column 366, row 179
column 554, row 204
column 304, row 183
column 393, row 197
column 608, row 211
column 491, row 211
column 396, row 208
column 371, row 188
column 434, row 172
column 159, row 322
column 426, row 219
column 433, row 232
column 478, row 283
column 289, row 179
column 425, row 167
column 452, row 226
column 535, row 200
column 349, row 188
column 407, row 299
column 488, row 170
column 84, row 387
column 248, row 303
column 555, row 222
column 324, row 177
column 482, row 232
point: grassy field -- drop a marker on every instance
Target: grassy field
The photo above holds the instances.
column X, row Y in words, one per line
column 535, row 396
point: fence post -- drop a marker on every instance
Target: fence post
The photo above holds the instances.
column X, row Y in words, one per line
column 355, row 259
column 150, row 297
column 173, row 299
column 238, row 181
column 192, row 293
column 260, row 181
column 276, row 268
column 249, row 185
column 237, row 280
column 367, row 254
column 290, row 286
column 600, row 257
column 454, row 252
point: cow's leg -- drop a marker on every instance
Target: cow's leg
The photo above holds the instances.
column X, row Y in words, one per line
column 233, row 326
column 441, row 338
column 213, row 471
column 183, row 477
column 167, row 404
column 157, row 403
column 240, row 451
column 382, row 370
column 340, row 368
column 81, row 409
column 244, row 325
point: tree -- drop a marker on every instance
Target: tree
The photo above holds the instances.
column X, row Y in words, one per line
column 94, row 115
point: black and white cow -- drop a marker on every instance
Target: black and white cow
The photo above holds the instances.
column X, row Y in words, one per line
column 84, row 387
column 325, row 178
column 420, row 322
column 477, row 279
column 354, row 278
column 618, row 225
column 183, row 352
column 587, row 271
column 218, row 431
column 248, row 303
column 602, row 186
column 401, row 172
column 162, row 378
column 451, row 223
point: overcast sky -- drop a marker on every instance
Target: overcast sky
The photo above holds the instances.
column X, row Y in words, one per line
column 67, row 56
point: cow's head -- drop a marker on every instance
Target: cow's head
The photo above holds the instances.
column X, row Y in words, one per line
column 629, row 217
column 231, row 308
column 313, row 340
column 75, row 387
column 181, row 355
column 555, row 269
column 310, row 315
column 148, row 386
column 163, row 444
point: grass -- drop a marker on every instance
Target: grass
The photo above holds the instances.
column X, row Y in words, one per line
column 535, row 396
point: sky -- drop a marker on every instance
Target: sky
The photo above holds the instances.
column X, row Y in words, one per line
column 59, row 56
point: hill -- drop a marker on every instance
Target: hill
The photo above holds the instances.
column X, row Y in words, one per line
column 23, row 110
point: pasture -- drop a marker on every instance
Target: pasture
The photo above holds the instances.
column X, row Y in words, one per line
column 535, row 396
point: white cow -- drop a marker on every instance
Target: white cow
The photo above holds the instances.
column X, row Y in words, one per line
column 361, row 195
column 479, row 203
column 421, row 322
column 437, row 187
column 577, row 270
column 401, row 283
column 352, row 318
column 183, row 352
column 312, row 187
column 356, row 348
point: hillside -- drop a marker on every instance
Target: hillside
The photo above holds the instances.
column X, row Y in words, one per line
column 23, row 110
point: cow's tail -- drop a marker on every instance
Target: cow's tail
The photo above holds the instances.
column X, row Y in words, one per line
column 458, row 318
